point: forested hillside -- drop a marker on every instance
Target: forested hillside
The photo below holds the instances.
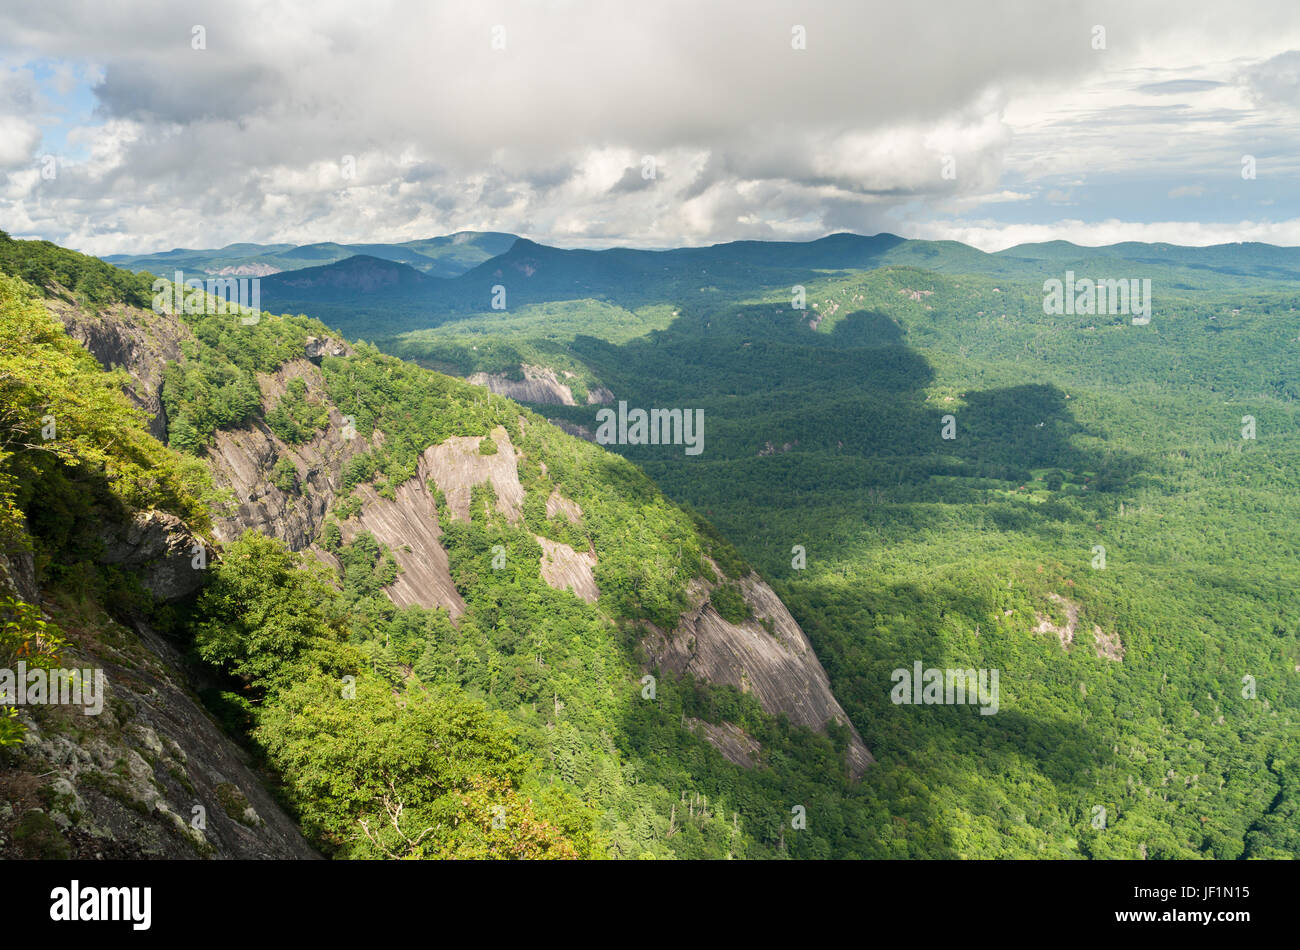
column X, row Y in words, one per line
column 928, row 467
column 505, row 714
column 529, row 277
column 1106, row 526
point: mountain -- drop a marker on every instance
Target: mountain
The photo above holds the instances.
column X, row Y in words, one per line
column 530, row 274
column 488, row 273
column 360, row 275
column 930, row 469
column 355, row 564
column 1248, row 259
column 454, row 254
column 1083, row 524
column 446, row 256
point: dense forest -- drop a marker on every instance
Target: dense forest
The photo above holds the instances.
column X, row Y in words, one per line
column 1138, row 482
column 555, row 750
column 927, row 466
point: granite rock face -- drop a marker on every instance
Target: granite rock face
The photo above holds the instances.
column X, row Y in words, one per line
column 139, row 341
column 151, row 775
column 241, row 460
column 540, row 385
column 778, row 666
column 161, row 550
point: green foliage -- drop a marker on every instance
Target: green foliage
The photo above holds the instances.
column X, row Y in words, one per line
column 74, row 454
column 295, row 418
column 263, row 609
column 71, row 444
column 402, row 773
column 371, row 772
column 54, row 269
column 284, row 475
column 823, row 430
column 214, row 384
column 200, row 398
column 730, row 603
column 347, row 506
column 411, row 406
column 445, row 256
column 331, row 536
column 25, row 637
column 38, row 837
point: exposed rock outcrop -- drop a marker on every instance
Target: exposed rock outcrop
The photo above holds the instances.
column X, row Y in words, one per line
column 558, row 504
column 539, row 385
column 1063, row 633
column 409, row 527
column 1107, row 646
column 150, row 776
column 18, row 574
column 161, row 550
column 779, row 668
column 768, row 655
column 246, row 270
column 150, row 773
column 573, row 429
column 242, row 459
column 316, row 349
column 735, row 744
column 140, row 341
column 564, row 568
column 457, row 465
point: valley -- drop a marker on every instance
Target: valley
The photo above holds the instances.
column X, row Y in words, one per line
column 659, row 653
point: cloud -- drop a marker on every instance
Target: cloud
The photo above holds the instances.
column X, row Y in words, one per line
column 18, row 141
column 991, row 236
column 1276, row 80
column 390, row 120
column 1177, row 87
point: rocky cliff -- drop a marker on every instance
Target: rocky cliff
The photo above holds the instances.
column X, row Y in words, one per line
column 540, row 385
column 768, row 655
column 138, row 769
column 139, row 341
column 241, row 460
column 144, row 770
column 150, row 776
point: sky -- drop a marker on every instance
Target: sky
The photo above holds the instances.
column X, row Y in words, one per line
column 144, row 125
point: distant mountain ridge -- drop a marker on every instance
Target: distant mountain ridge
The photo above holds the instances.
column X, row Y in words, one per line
column 378, row 290
column 445, row 256
column 361, row 273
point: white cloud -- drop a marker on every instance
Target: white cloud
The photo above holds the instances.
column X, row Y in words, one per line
column 245, row 140
column 18, row 141
column 990, row 236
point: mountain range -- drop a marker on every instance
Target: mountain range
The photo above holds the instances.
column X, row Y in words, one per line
column 909, row 464
column 446, row 256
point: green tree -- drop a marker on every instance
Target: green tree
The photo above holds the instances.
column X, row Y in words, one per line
column 262, row 609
